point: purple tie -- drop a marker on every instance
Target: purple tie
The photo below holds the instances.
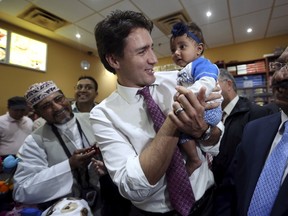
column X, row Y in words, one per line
column 178, row 184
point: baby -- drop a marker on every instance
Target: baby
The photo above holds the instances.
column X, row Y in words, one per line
column 187, row 46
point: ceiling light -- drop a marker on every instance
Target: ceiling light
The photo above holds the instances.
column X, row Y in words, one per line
column 208, row 14
column 85, row 65
column 78, row 35
column 249, row 30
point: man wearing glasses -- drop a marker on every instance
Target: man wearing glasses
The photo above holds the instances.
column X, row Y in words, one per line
column 86, row 91
column 279, row 63
column 54, row 158
column 237, row 112
column 257, row 182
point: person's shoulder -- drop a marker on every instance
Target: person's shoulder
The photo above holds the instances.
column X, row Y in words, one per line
column 205, row 64
column 257, row 111
column 3, row 117
column 266, row 120
column 258, row 108
column 245, row 102
column 202, row 61
column 82, row 115
column 111, row 99
column 39, row 122
column 28, row 119
column 3, row 121
column 166, row 76
column 272, row 107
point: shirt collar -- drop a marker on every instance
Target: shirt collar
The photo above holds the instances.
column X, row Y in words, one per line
column 68, row 125
column 74, row 108
column 230, row 106
column 130, row 93
column 284, row 118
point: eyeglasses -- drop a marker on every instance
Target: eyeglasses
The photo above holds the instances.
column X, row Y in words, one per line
column 49, row 104
column 85, row 87
column 223, row 80
column 276, row 66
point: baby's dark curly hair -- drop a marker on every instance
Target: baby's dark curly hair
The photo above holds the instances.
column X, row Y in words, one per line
column 191, row 29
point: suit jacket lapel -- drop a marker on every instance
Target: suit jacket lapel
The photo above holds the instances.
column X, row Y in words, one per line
column 263, row 144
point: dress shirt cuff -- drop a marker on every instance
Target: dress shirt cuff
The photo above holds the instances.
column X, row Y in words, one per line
column 214, row 149
column 137, row 186
column 135, row 172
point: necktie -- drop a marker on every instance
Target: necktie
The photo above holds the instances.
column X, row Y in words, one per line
column 178, row 184
column 270, row 179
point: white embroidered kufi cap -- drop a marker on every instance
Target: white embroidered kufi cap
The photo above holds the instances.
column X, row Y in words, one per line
column 38, row 91
column 69, row 206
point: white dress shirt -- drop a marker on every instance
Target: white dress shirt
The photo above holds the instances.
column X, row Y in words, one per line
column 47, row 182
column 123, row 128
column 230, row 106
column 13, row 133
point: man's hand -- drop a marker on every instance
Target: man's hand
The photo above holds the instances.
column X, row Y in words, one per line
column 81, row 158
column 99, row 167
column 190, row 120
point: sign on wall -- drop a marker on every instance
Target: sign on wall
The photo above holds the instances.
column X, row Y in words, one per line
column 22, row 51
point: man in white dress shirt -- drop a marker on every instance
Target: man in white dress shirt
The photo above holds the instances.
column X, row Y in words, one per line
column 135, row 155
column 14, row 126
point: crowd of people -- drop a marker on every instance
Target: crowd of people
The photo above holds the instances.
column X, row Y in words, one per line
column 170, row 143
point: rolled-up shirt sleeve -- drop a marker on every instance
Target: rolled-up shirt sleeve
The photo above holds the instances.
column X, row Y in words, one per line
column 123, row 128
column 121, row 157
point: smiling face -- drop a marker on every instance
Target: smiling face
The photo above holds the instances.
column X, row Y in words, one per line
column 135, row 67
column 184, row 50
column 55, row 108
column 85, row 91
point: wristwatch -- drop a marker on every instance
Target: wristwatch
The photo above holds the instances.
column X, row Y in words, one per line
column 207, row 134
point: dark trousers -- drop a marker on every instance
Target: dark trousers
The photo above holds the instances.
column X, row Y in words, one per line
column 203, row 207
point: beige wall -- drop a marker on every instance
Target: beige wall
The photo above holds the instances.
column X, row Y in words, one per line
column 63, row 65
column 241, row 52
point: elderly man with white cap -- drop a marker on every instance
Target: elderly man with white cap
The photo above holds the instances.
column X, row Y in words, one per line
column 54, row 159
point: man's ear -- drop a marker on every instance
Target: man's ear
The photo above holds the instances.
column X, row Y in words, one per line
column 113, row 61
column 229, row 83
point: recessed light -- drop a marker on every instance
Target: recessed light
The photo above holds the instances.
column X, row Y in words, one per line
column 78, row 35
column 249, row 30
column 208, row 14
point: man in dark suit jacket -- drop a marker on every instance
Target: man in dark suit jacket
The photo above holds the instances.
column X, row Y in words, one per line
column 258, row 141
column 239, row 112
